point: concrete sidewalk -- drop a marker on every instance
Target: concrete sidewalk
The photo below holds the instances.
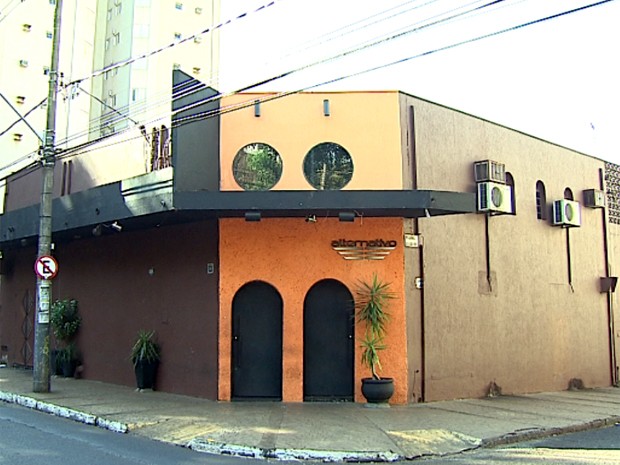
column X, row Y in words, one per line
column 317, row 431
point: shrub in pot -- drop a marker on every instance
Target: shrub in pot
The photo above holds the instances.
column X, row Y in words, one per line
column 67, row 360
column 65, row 321
column 371, row 305
column 145, row 356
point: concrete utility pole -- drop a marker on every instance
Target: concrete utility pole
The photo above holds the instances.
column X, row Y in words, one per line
column 41, row 372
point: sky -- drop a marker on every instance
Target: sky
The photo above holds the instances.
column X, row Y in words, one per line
column 558, row 80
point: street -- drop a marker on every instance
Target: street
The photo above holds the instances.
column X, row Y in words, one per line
column 28, row 437
column 31, row 437
column 594, row 447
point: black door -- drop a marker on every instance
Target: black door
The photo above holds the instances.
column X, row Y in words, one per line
column 257, row 343
column 328, row 342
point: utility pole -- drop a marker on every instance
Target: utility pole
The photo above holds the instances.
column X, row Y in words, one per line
column 41, row 371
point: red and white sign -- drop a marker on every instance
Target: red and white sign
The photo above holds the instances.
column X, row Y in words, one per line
column 46, row 267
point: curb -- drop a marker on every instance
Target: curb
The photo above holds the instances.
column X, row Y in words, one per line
column 211, row 447
column 216, row 448
column 63, row 412
column 531, row 434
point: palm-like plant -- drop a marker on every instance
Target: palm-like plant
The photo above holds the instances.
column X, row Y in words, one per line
column 371, row 308
column 145, row 349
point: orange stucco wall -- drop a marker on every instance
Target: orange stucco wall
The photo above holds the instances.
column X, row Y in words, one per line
column 367, row 125
column 292, row 255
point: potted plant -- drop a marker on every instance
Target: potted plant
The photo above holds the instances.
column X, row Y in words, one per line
column 145, row 356
column 371, row 306
column 65, row 321
column 68, row 360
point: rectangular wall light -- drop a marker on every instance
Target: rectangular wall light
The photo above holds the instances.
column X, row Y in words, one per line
column 346, row 217
column 252, row 216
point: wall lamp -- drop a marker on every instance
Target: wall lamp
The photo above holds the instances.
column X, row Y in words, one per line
column 252, row 216
column 346, row 217
column 311, row 219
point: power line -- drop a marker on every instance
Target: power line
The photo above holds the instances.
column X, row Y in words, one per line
column 72, row 152
column 251, row 102
column 24, row 116
column 131, row 60
column 105, row 119
column 161, row 49
column 404, row 60
column 3, row 15
column 356, row 49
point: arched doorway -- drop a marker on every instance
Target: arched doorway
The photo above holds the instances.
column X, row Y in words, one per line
column 328, row 342
column 257, row 343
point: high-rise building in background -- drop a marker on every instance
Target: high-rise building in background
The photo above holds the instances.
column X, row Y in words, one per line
column 126, row 104
column 168, row 34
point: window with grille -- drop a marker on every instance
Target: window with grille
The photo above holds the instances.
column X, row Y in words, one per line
column 541, row 201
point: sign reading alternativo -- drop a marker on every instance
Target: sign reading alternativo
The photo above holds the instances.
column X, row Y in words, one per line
column 374, row 249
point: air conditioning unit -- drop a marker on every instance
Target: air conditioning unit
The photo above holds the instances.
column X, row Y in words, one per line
column 594, row 198
column 489, row 170
column 566, row 213
column 494, row 197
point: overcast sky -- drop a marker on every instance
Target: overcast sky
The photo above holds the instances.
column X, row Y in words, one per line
column 557, row 79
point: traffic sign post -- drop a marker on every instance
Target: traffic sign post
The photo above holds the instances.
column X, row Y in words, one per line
column 46, row 267
column 41, row 356
column 45, row 293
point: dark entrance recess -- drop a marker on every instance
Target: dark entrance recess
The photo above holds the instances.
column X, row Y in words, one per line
column 257, row 343
column 328, row 342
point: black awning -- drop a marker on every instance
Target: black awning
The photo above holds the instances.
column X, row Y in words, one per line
column 76, row 215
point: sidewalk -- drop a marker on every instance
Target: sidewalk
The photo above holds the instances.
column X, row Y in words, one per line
column 318, row 431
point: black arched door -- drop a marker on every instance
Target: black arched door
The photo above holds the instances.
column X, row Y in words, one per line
column 257, row 343
column 328, row 342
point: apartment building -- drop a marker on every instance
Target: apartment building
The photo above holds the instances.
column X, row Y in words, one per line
column 115, row 55
column 24, row 75
column 153, row 37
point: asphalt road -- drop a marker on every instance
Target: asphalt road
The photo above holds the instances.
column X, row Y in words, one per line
column 594, row 447
column 28, row 437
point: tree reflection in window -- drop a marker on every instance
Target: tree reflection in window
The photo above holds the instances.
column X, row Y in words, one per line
column 257, row 167
column 328, row 166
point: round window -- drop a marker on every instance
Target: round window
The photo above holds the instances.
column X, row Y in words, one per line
column 257, row 167
column 328, row 166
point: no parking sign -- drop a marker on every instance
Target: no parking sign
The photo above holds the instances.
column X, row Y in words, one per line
column 46, row 267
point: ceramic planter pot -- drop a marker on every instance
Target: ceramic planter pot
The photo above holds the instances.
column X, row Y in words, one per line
column 377, row 391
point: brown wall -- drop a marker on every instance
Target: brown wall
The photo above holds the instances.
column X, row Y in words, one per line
column 532, row 330
column 118, row 295
column 614, row 270
column 292, row 256
column 92, row 167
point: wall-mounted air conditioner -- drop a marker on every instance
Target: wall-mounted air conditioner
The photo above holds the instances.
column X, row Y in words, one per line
column 566, row 213
column 494, row 197
column 594, row 198
column 489, row 170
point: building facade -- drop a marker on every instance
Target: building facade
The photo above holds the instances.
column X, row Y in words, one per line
column 244, row 255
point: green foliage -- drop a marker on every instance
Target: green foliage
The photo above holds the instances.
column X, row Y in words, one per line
column 145, row 348
column 258, row 168
column 371, row 304
column 328, row 166
column 371, row 345
column 65, row 319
